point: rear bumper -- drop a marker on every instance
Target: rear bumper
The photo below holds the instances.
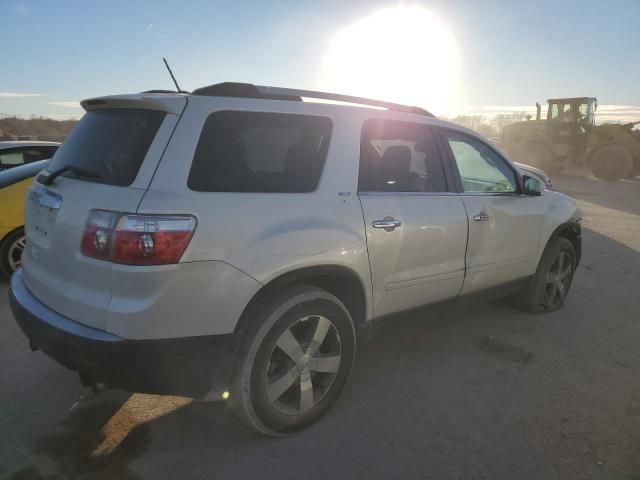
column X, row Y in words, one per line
column 198, row 367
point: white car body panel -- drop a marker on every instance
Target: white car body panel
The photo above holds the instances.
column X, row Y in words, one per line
column 243, row 241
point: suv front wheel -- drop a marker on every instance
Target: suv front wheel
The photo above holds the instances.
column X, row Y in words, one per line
column 295, row 360
column 549, row 287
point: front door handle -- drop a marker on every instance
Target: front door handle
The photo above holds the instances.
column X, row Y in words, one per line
column 388, row 223
column 481, row 217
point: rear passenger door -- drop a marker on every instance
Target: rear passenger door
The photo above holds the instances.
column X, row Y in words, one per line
column 416, row 228
column 504, row 226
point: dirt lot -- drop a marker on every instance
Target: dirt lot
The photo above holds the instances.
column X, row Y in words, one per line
column 482, row 393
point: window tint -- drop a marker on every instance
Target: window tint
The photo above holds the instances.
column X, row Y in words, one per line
column 111, row 143
column 399, row 157
column 481, row 169
column 260, row 152
column 11, row 158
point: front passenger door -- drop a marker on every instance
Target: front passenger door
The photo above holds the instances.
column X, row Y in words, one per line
column 504, row 226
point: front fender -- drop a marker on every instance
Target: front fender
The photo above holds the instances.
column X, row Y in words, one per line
column 562, row 213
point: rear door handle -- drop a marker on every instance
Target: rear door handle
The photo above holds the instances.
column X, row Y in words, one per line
column 388, row 223
column 481, row 217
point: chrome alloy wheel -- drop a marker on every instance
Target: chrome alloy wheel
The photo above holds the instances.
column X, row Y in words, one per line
column 303, row 365
column 558, row 279
column 14, row 257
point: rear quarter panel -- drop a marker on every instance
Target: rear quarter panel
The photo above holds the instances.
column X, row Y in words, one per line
column 266, row 235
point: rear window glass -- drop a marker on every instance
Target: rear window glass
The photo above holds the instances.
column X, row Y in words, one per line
column 109, row 143
column 260, row 152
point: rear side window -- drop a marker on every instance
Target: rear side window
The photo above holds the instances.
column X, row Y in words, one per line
column 12, row 157
column 109, row 143
column 260, row 152
column 399, row 157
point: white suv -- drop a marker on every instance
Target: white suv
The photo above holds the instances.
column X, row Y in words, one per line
column 238, row 242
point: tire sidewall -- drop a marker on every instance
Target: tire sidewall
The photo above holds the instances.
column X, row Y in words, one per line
column 249, row 386
column 555, row 246
column 623, row 157
column 5, row 246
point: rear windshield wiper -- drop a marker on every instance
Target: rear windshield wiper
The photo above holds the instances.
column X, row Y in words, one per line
column 48, row 179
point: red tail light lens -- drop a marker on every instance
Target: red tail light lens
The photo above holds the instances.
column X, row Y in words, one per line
column 151, row 239
column 96, row 238
column 137, row 239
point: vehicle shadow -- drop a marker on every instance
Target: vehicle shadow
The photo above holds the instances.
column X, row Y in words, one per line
column 469, row 393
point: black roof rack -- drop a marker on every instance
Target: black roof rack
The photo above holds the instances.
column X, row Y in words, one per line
column 248, row 90
column 163, row 91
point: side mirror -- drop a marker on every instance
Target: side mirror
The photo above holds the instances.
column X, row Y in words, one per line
column 531, row 186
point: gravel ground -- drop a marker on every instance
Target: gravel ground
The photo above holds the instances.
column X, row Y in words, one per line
column 486, row 392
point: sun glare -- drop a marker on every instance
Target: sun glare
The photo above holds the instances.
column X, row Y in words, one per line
column 401, row 54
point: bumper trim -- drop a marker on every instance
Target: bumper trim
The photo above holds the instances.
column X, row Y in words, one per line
column 195, row 366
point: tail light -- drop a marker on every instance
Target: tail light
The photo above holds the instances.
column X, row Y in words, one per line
column 137, row 239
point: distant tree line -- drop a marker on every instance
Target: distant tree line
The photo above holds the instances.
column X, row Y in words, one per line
column 489, row 127
column 41, row 128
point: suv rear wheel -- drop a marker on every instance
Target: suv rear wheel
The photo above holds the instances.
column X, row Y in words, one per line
column 549, row 287
column 295, row 360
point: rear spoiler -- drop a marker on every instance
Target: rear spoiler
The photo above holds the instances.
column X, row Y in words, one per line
column 173, row 104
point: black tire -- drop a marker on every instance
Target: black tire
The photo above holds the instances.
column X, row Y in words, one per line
column 611, row 162
column 547, row 290
column 635, row 170
column 11, row 252
column 260, row 395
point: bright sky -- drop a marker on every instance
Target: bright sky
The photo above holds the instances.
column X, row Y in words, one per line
column 449, row 56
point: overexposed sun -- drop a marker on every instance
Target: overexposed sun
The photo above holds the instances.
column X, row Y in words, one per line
column 403, row 54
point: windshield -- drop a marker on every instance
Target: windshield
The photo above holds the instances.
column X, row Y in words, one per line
column 111, row 143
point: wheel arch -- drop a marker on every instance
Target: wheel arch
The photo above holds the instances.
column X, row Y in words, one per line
column 572, row 231
column 338, row 280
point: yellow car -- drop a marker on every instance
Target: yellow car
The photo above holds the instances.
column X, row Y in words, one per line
column 14, row 184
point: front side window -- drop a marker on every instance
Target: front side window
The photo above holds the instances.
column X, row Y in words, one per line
column 399, row 157
column 260, row 152
column 481, row 169
column 569, row 114
column 585, row 113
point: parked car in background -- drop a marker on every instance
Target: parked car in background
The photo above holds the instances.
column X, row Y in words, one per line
column 238, row 242
column 13, row 154
column 14, row 184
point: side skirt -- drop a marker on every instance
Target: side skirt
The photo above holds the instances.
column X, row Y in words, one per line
column 461, row 302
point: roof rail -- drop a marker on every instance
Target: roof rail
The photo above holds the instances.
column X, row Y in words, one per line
column 163, row 91
column 248, row 90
